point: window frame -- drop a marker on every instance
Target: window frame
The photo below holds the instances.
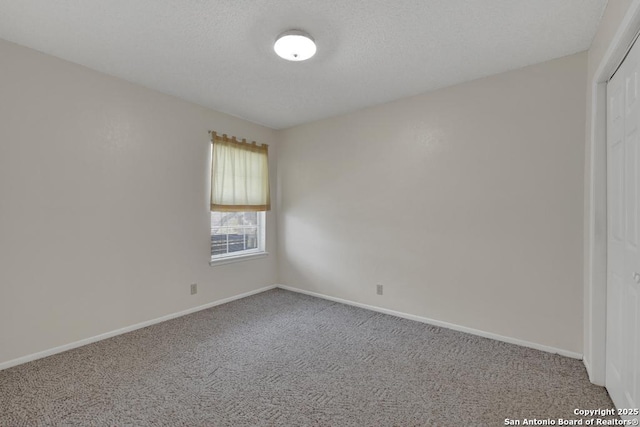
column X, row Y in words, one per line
column 247, row 254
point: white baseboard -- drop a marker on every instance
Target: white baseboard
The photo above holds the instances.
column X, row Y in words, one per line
column 80, row 343
column 587, row 365
column 76, row 344
column 447, row 325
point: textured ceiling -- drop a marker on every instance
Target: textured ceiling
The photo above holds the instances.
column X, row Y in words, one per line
column 219, row 53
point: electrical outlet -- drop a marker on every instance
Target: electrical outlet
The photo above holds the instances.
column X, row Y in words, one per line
column 194, row 288
column 379, row 289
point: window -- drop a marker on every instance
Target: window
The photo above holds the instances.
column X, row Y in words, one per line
column 239, row 198
column 236, row 234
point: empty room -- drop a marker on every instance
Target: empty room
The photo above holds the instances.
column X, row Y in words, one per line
column 319, row 213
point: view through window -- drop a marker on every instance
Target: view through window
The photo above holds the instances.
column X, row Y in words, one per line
column 236, row 233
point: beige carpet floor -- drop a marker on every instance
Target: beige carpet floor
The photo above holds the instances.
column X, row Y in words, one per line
column 285, row 359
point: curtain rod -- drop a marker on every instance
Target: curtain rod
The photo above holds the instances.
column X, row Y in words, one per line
column 224, row 137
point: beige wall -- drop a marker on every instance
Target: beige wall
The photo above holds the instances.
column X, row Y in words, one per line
column 595, row 195
column 466, row 203
column 103, row 204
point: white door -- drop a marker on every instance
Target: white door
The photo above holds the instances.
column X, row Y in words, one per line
column 623, row 255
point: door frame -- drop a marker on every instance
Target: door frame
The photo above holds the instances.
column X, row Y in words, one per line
column 595, row 256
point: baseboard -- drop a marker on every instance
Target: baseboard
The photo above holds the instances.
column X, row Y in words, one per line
column 587, row 366
column 80, row 343
column 76, row 344
column 434, row 322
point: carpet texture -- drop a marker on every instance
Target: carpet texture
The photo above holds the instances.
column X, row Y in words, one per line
column 284, row 359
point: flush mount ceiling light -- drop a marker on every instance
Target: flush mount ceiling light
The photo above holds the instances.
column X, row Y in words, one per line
column 295, row 45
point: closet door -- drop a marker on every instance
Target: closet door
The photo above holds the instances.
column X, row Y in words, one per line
column 623, row 256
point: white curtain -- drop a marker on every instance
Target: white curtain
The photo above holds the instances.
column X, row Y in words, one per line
column 239, row 176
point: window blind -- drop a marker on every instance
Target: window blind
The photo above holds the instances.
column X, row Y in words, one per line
column 239, row 175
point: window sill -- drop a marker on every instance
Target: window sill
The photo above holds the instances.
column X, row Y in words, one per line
column 237, row 258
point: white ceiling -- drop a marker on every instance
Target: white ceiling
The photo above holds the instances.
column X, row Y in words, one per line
column 219, row 53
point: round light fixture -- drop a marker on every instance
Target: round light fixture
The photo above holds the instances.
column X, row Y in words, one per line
column 295, row 45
